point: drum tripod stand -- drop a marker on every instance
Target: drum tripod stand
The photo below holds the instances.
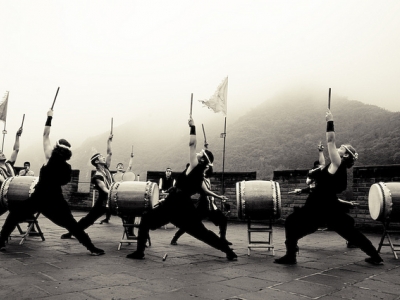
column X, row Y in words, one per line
column 127, row 237
column 386, row 233
column 32, row 225
column 260, row 244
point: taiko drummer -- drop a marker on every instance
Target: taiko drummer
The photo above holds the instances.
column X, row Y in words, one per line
column 323, row 204
column 47, row 197
column 178, row 209
column 102, row 180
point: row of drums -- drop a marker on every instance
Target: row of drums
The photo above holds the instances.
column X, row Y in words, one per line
column 255, row 199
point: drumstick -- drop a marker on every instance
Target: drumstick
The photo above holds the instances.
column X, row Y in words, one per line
column 111, row 125
column 292, row 192
column 329, row 99
column 165, row 256
column 23, row 118
column 205, row 139
column 55, row 98
column 191, row 105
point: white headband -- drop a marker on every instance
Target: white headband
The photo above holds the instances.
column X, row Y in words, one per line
column 355, row 154
column 205, row 154
column 61, row 145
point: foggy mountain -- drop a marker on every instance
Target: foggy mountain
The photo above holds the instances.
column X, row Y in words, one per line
column 281, row 133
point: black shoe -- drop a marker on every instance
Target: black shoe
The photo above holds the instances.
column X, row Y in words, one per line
column 286, row 260
column 226, row 242
column 135, row 255
column 96, row 251
column 2, row 245
column 173, row 242
column 231, row 256
column 104, row 221
column 66, row 236
column 351, row 245
column 375, row 260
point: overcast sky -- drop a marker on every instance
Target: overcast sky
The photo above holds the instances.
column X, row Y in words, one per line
column 142, row 59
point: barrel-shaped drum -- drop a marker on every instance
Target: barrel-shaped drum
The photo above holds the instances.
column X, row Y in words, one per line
column 16, row 189
column 384, row 201
column 132, row 198
column 258, row 199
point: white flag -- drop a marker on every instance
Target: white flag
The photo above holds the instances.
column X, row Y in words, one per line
column 218, row 101
column 3, row 108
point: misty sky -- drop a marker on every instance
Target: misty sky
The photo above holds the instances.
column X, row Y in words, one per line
column 141, row 60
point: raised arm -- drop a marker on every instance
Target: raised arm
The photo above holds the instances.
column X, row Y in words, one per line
column 130, row 162
column 192, row 147
column 109, row 152
column 331, row 144
column 46, row 136
column 14, row 154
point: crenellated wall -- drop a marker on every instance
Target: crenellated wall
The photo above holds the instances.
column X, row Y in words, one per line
column 360, row 180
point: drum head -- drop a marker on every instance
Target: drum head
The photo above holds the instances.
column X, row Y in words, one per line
column 239, row 199
column 376, row 201
column 118, row 176
column 128, row 176
column 154, row 194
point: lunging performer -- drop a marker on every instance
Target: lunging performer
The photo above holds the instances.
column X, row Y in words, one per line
column 206, row 208
column 102, row 181
column 178, row 209
column 47, row 197
column 322, row 205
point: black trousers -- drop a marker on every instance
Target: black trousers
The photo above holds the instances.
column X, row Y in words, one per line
column 215, row 216
column 305, row 221
column 95, row 213
column 179, row 210
column 54, row 207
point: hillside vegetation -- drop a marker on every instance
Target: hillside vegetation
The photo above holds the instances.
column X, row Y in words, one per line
column 282, row 133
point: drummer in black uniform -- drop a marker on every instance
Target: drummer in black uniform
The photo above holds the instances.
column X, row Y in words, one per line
column 47, row 197
column 102, row 181
column 322, row 205
column 207, row 208
column 178, row 208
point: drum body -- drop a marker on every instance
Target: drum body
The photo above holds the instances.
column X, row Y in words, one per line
column 16, row 189
column 258, row 199
column 384, row 201
column 132, row 198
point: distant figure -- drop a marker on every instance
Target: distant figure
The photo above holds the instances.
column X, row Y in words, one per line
column 26, row 171
column 167, row 181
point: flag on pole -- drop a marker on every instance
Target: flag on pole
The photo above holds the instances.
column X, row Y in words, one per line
column 217, row 102
column 3, row 108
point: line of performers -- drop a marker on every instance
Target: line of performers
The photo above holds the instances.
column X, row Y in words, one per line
column 322, row 205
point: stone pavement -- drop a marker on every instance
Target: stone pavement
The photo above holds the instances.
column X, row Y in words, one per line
column 63, row 269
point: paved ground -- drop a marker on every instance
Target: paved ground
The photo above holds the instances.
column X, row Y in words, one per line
column 63, row 269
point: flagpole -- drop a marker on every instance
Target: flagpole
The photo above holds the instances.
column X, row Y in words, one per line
column 4, row 135
column 223, row 161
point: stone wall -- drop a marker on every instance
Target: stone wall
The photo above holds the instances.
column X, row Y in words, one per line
column 360, row 180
